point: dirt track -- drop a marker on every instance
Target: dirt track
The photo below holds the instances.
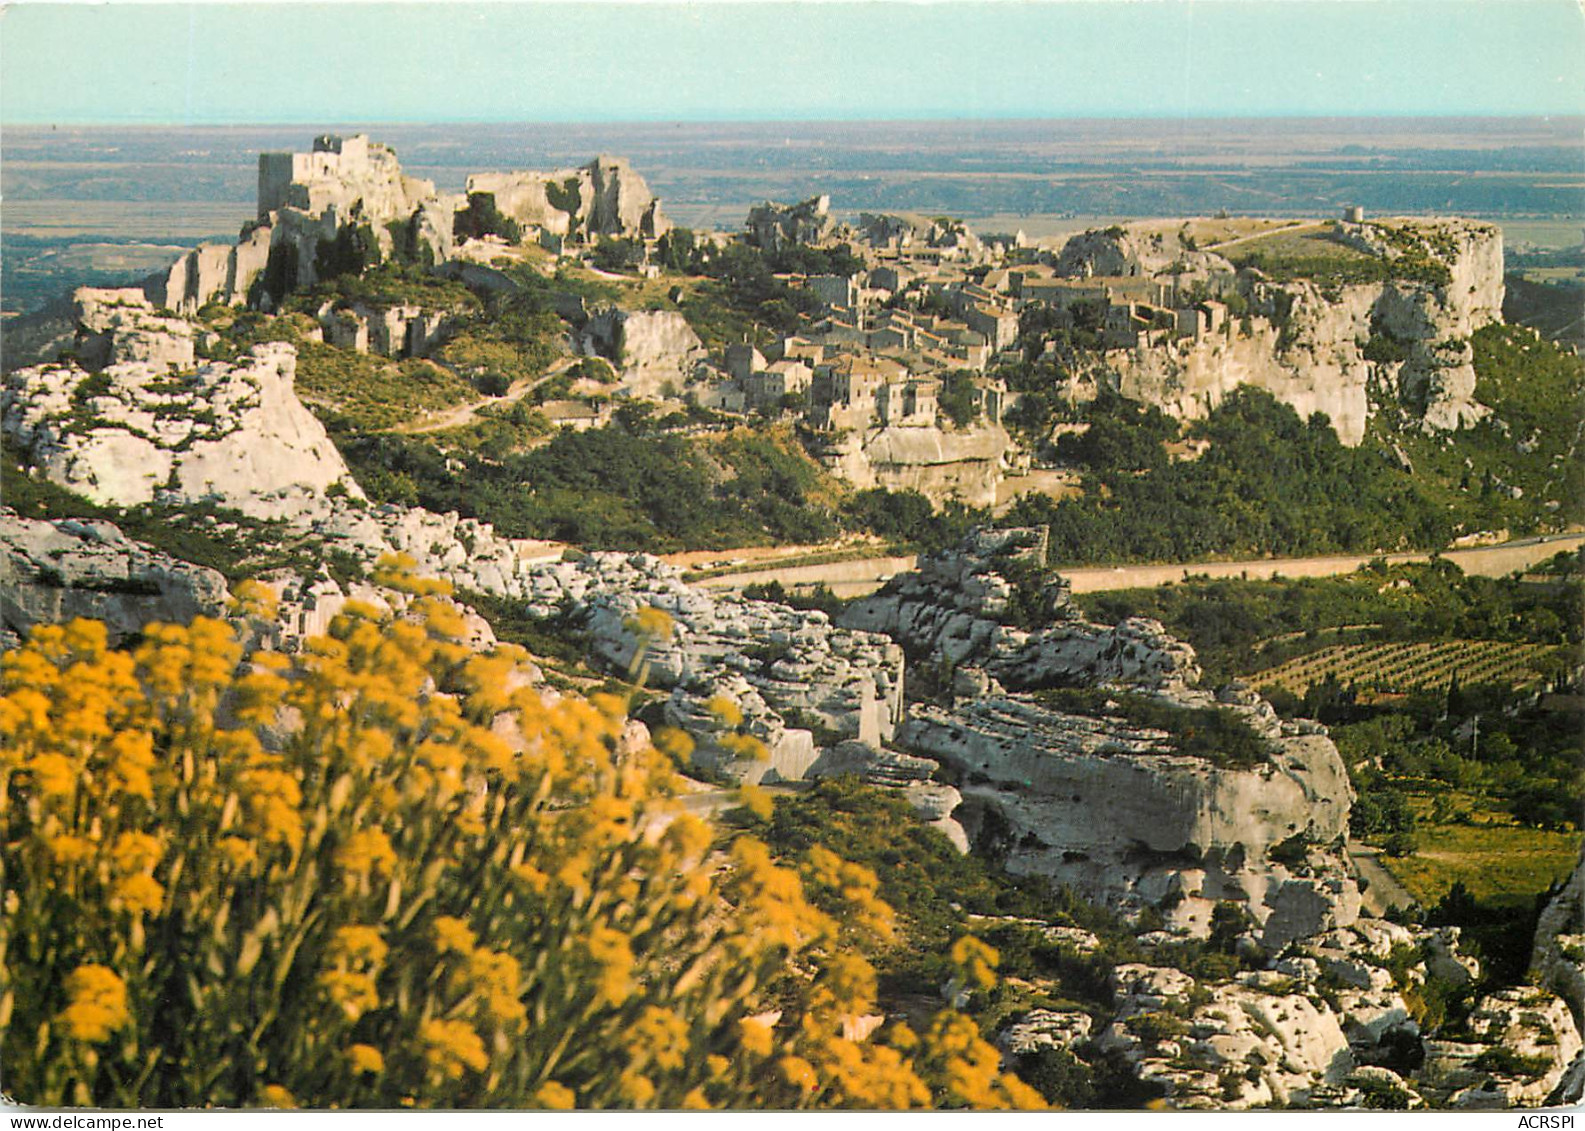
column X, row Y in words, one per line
column 856, row 578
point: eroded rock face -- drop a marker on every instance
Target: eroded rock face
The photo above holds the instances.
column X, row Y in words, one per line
column 1134, row 250
column 939, row 463
column 1305, row 343
column 653, row 349
column 1091, row 799
column 1108, row 808
column 775, row 226
column 1324, row 1026
column 1559, row 955
column 606, row 197
column 1246, row 1044
column 139, row 432
column 52, row 572
column 1526, row 1041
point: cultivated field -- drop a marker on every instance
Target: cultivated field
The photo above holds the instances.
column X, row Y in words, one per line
column 1411, row 666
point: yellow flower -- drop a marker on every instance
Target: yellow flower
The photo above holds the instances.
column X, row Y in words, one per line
column 555, row 1097
column 688, row 836
column 358, row 944
column 452, row 1047
column 69, row 849
column 367, row 852
column 135, row 852
column 352, row 990
column 255, row 600
column 498, row 977
column 132, row 759
column 276, row 1096
column 798, row 1072
column 97, row 1004
column 696, row 1101
column 636, row 1088
column 675, row 744
column 365, row 1058
column 613, row 955
column 238, row 852
column 754, row 1036
column 757, row 801
column 727, row 712
column 975, row 961
column 745, row 747
column 532, row 876
column 659, row 1035
column 54, row 774
column 452, row 934
column 138, row 893
column 718, row 1065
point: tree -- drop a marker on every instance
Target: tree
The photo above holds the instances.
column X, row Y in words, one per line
column 482, row 218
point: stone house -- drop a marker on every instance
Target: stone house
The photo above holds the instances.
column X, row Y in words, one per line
column 742, row 359
column 911, row 403
column 997, row 323
column 767, row 387
column 843, row 394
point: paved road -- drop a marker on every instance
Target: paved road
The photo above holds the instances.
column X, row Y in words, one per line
column 861, row 576
column 1384, row 890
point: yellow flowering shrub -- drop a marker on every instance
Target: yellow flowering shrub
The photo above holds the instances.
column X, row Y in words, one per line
column 381, row 872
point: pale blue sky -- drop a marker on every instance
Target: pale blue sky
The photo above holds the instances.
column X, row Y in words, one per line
column 309, row 63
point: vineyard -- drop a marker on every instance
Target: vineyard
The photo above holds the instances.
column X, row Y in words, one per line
column 1414, row 666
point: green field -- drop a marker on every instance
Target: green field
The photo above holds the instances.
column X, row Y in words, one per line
column 1413, row 666
column 1497, row 860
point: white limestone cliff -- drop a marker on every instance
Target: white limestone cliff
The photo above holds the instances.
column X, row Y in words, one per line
column 141, row 431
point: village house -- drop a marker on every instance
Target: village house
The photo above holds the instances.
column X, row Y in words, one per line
column 910, row 403
column 769, row 388
column 843, row 394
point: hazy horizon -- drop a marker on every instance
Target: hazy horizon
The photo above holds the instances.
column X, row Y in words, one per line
column 786, row 62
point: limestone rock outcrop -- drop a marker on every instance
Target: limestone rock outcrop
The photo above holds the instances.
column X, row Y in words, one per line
column 1328, row 347
column 141, row 431
column 1255, row 1042
column 1559, row 954
column 939, row 463
column 1143, row 249
column 1075, row 791
column 652, row 349
column 773, row 226
column 606, row 197
column 1525, row 1040
column 957, row 605
column 54, row 571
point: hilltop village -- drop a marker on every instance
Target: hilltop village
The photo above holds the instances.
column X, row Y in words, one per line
column 889, row 355
column 480, row 415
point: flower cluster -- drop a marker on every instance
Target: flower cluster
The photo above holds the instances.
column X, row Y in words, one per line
column 391, row 871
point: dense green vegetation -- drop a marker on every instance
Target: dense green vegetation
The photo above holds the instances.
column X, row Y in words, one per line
column 1474, row 792
column 1269, row 484
column 614, row 488
column 1518, row 469
column 743, row 299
